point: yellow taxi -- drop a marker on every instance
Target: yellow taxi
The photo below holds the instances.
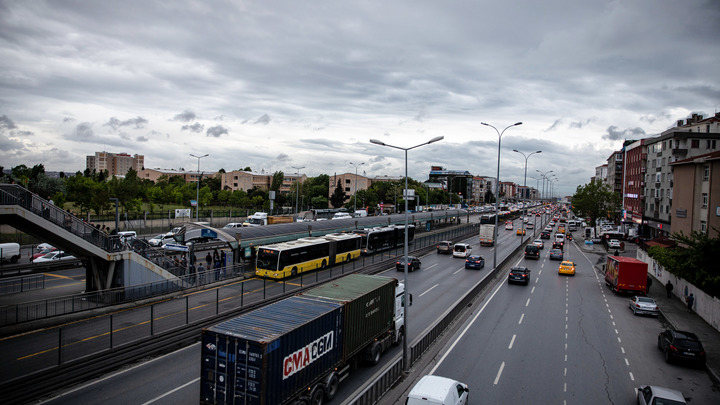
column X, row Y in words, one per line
column 520, row 231
column 561, row 229
column 567, row 267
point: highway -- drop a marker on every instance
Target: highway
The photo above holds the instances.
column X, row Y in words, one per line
column 561, row 340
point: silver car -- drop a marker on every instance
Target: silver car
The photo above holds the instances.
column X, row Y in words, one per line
column 651, row 394
column 643, row 305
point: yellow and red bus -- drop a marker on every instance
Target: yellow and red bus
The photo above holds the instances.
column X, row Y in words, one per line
column 288, row 259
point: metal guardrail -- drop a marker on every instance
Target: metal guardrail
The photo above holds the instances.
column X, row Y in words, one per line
column 15, row 285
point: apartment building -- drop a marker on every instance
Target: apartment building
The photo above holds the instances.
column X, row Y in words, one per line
column 633, row 201
column 696, row 206
column 247, row 180
column 117, row 164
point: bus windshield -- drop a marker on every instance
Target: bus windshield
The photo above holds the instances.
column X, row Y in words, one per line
column 267, row 259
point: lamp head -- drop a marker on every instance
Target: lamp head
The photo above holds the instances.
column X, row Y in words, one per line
column 437, row 138
column 377, row 142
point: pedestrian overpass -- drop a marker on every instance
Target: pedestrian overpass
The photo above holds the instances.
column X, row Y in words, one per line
column 109, row 261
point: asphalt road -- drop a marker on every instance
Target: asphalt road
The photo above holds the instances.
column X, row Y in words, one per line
column 562, row 340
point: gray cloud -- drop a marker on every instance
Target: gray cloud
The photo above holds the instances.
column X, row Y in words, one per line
column 263, row 119
column 136, row 123
column 217, row 131
column 185, row 116
column 282, row 157
column 615, row 134
column 196, row 127
column 6, row 123
column 84, row 130
column 142, row 139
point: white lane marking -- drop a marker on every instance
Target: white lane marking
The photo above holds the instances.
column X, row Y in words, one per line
column 533, row 289
column 428, row 290
column 627, row 363
column 497, row 378
column 459, row 270
column 527, row 302
column 430, row 267
column 511, row 342
column 622, row 349
column 631, row 376
column 171, row 391
column 466, row 329
column 521, row 318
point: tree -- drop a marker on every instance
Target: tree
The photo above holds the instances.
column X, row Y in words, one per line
column 338, row 196
column 693, row 259
column 595, row 200
column 277, row 181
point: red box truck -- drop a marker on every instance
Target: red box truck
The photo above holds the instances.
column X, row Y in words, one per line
column 626, row 274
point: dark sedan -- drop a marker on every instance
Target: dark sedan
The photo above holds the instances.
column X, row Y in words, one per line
column 413, row 263
column 545, row 235
column 475, row 262
column 556, row 254
column 681, row 345
column 519, row 275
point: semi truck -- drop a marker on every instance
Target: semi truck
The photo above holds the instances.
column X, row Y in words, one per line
column 262, row 218
column 297, row 350
column 626, row 275
column 487, row 235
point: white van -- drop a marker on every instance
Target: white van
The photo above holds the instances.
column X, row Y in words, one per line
column 462, row 250
column 436, row 390
column 9, row 252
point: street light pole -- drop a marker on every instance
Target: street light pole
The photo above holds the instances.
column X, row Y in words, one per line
column 406, row 363
column 197, row 209
column 297, row 189
column 355, row 192
column 544, row 177
column 497, row 186
column 525, row 189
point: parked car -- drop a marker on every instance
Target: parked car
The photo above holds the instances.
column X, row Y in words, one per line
column 614, row 244
column 681, row 345
column 160, row 240
column 43, row 246
column 435, row 390
column 519, row 274
column 54, row 256
column 567, row 267
column 556, row 254
column 475, row 262
column 445, row 246
column 539, row 243
column 643, row 305
column 43, row 253
column 654, row 395
column 532, row 252
column 413, row 263
column 462, row 250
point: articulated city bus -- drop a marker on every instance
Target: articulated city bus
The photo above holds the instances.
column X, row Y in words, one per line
column 291, row 258
column 388, row 237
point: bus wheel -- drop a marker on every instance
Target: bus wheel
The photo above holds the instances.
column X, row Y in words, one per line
column 323, row 264
column 293, row 272
column 348, row 258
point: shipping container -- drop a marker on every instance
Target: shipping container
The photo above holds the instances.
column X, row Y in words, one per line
column 272, row 353
column 369, row 307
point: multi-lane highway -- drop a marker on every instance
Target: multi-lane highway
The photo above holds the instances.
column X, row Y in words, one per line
column 558, row 340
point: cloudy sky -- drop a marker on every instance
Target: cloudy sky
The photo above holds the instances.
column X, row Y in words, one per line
column 275, row 84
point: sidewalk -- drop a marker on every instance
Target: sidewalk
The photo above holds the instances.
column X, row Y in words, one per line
column 674, row 310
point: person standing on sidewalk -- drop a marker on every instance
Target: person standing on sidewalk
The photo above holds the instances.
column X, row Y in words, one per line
column 668, row 289
column 647, row 286
column 690, row 301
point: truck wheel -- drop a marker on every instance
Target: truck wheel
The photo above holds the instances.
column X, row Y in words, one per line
column 14, row 259
column 400, row 336
column 376, row 352
column 318, row 396
column 331, row 386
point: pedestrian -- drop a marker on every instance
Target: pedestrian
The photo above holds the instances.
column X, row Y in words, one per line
column 201, row 273
column 223, row 258
column 690, row 301
column 649, row 283
column 208, row 260
column 668, row 289
column 616, row 252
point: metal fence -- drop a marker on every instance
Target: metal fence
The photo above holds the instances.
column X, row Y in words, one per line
column 21, row 284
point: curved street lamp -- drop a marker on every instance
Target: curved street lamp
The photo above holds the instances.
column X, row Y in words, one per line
column 544, row 176
column 297, row 189
column 525, row 187
column 355, row 192
column 197, row 209
column 497, row 185
column 406, row 363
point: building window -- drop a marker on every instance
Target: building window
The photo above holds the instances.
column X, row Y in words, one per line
column 347, row 189
column 695, row 143
column 704, row 200
column 703, row 226
column 706, row 173
column 347, row 181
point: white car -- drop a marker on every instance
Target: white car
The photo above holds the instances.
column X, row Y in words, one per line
column 160, row 240
column 509, row 226
column 44, row 246
column 436, row 390
column 614, row 244
column 54, row 256
column 462, row 250
column 651, row 394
